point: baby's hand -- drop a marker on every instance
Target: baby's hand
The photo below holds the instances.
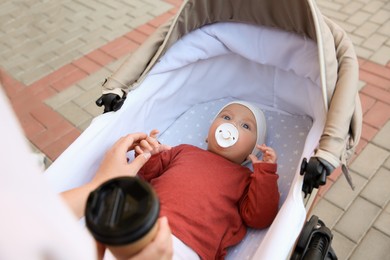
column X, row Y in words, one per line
column 269, row 155
column 151, row 144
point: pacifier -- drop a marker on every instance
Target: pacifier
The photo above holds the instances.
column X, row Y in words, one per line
column 226, row 135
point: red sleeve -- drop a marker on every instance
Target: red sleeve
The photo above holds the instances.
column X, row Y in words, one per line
column 259, row 204
column 155, row 166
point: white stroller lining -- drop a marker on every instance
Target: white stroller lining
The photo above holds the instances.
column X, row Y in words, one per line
column 209, row 64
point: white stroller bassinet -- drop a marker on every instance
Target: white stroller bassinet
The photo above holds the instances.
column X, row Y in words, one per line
column 282, row 55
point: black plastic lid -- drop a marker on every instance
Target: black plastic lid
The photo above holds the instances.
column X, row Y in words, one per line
column 121, row 210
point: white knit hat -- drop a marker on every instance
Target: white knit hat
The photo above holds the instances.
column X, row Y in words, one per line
column 260, row 122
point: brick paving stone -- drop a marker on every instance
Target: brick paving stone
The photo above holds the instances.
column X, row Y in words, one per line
column 368, row 132
column 382, row 55
column 87, row 97
column 327, row 212
column 375, row 245
column 377, row 190
column 374, row 42
column 59, row 30
column 387, row 164
column 382, row 139
column 380, row 17
column 378, row 115
column 368, row 162
column 342, row 245
column 64, row 97
column 383, row 221
column 358, row 18
column 74, row 114
column 341, row 194
column 378, row 93
column 363, row 52
column 354, row 223
column 367, row 29
column 373, row 6
column 351, row 8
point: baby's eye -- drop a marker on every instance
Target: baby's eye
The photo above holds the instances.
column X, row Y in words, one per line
column 246, row 126
column 226, row 117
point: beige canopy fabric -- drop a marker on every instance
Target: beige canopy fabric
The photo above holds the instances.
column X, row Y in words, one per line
column 338, row 62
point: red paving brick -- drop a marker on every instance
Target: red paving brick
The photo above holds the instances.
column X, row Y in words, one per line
column 368, row 132
column 87, row 65
column 376, row 69
column 57, row 147
column 52, row 134
column 136, row 36
column 46, row 116
column 378, row 115
column 377, row 93
column 146, row 29
column 367, row 102
column 100, row 57
column 374, row 79
column 30, row 125
column 70, row 79
column 156, row 22
column 124, row 50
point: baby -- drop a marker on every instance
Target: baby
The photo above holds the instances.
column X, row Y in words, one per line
column 210, row 197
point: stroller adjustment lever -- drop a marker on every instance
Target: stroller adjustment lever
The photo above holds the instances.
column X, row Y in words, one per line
column 111, row 102
column 315, row 171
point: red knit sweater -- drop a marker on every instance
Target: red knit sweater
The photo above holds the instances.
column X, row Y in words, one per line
column 210, row 200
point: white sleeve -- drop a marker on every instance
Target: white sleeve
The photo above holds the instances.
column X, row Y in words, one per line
column 34, row 222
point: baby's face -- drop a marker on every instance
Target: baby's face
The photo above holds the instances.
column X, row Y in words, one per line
column 244, row 120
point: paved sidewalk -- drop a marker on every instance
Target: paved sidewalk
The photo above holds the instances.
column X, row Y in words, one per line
column 54, row 56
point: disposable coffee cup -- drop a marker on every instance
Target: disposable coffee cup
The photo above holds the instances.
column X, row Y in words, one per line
column 122, row 213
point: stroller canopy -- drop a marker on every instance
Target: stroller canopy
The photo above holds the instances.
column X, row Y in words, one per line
column 337, row 60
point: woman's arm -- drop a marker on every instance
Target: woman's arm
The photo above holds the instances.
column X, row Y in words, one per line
column 113, row 165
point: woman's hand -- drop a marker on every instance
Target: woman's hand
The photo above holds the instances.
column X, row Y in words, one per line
column 115, row 162
column 269, row 154
column 151, row 145
column 114, row 165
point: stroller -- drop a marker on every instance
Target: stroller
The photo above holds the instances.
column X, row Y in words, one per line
column 284, row 56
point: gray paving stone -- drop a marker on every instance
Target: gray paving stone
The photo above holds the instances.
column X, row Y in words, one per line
column 387, row 163
column 357, row 40
column 367, row 29
column 377, row 190
column 358, row 18
column 385, row 28
column 341, row 194
column 74, row 114
column 357, row 220
column 369, row 160
column 373, row 6
column 375, row 245
column 363, row 52
column 383, row 221
column 375, row 42
column 95, row 80
column 351, row 7
column 342, row 246
column 380, row 17
column 382, row 56
column 87, row 97
column 93, row 109
column 62, row 28
column 361, row 84
column 64, row 97
column 327, row 212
